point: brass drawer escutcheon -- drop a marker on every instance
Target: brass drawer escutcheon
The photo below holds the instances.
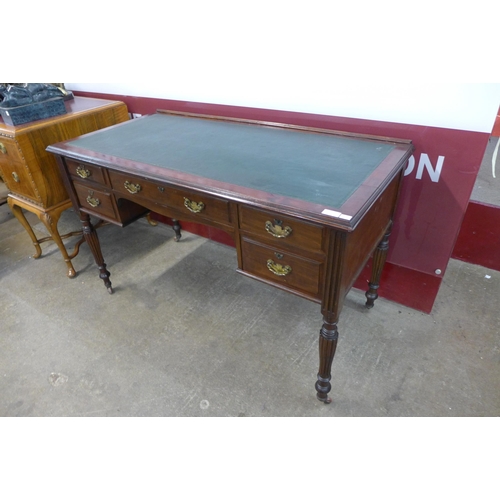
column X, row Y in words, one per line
column 15, row 176
column 3, row 149
column 83, row 172
column 132, row 188
column 194, row 206
column 278, row 269
column 93, row 202
column 277, row 229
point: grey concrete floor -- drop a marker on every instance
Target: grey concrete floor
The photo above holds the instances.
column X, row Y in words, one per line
column 185, row 335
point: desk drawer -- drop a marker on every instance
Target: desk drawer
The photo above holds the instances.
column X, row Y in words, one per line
column 95, row 201
column 287, row 269
column 80, row 170
column 9, row 151
column 277, row 230
column 188, row 202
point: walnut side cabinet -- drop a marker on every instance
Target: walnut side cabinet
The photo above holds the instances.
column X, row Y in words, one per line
column 31, row 173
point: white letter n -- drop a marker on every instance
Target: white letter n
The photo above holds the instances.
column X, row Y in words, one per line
column 425, row 162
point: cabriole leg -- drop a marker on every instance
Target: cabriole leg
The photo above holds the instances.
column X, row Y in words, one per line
column 50, row 221
column 19, row 214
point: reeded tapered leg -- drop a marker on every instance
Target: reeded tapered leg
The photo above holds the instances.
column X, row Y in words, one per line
column 90, row 235
column 328, row 337
column 379, row 257
column 177, row 229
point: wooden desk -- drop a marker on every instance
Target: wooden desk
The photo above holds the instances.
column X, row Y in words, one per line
column 31, row 173
column 306, row 208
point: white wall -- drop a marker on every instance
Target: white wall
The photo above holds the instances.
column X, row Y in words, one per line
column 403, row 62
column 463, row 106
column 386, row 60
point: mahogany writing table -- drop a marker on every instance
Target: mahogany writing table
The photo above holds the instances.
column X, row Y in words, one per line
column 306, row 207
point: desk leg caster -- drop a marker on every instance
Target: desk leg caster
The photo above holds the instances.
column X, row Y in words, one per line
column 328, row 337
column 324, row 399
column 104, row 275
column 379, row 257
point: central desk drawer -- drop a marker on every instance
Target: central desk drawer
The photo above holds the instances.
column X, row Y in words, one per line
column 287, row 269
column 184, row 201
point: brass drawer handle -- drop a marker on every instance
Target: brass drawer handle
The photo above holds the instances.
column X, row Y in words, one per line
column 83, row 172
column 194, row 206
column 277, row 229
column 278, row 269
column 132, row 188
column 3, row 149
column 15, row 176
column 93, row 202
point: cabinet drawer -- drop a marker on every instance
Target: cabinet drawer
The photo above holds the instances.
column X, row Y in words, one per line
column 9, row 151
column 281, row 231
column 287, row 269
column 80, row 170
column 184, row 201
column 19, row 181
column 95, row 201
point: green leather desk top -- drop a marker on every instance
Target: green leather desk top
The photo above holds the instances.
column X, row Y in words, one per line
column 311, row 166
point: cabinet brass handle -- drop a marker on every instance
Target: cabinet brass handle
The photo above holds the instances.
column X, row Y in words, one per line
column 15, row 176
column 93, row 202
column 132, row 188
column 3, row 149
column 278, row 269
column 277, row 229
column 194, row 206
column 83, row 172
